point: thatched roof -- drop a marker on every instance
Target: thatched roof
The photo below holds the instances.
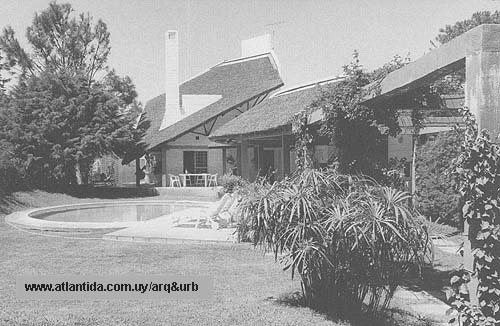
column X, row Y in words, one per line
column 236, row 81
column 273, row 114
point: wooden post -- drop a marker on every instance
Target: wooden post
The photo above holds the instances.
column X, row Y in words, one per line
column 285, row 156
column 238, row 158
column 224, row 163
column 245, row 163
column 137, row 172
column 164, row 179
column 414, row 170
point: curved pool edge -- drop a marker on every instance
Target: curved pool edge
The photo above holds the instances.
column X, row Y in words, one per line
column 23, row 219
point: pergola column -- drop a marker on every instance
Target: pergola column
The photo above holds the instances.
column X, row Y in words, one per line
column 482, row 97
column 482, row 89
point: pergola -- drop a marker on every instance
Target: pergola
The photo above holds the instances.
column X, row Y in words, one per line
column 478, row 51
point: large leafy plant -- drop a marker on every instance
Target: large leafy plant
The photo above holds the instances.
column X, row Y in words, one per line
column 351, row 241
column 476, row 289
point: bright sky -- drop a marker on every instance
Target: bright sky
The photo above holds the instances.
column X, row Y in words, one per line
column 312, row 38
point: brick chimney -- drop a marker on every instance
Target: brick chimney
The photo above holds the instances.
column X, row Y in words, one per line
column 172, row 100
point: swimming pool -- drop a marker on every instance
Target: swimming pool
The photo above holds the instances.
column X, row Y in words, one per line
column 98, row 215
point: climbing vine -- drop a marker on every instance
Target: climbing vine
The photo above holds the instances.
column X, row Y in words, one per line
column 304, row 136
column 353, row 128
column 475, row 290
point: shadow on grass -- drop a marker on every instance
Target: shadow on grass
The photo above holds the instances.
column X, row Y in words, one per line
column 390, row 317
column 7, row 202
column 84, row 191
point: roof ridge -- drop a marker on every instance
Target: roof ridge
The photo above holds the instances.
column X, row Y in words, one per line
column 252, row 57
column 308, row 85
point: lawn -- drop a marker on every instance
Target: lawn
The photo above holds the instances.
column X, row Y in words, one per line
column 248, row 285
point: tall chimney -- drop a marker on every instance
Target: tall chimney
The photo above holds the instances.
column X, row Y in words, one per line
column 256, row 45
column 172, row 103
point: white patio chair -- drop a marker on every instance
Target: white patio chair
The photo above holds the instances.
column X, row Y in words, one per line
column 229, row 214
column 200, row 180
column 174, row 180
column 212, row 180
column 197, row 215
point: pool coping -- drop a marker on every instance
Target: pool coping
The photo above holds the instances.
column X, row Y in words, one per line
column 24, row 219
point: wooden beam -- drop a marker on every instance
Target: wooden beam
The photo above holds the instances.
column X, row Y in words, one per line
column 212, row 126
column 262, row 99
column 198, row 133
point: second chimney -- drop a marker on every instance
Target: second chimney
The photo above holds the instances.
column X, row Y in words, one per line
column 172, row 102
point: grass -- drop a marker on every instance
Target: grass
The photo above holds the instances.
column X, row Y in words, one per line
column 250, row 288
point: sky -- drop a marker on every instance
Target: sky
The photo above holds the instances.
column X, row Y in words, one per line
column 312, row 39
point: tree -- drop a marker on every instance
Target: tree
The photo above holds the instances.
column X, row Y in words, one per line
column 449, row 32
column 59, row 121
column 68, row 108
column 59, row 42
column 436, row 196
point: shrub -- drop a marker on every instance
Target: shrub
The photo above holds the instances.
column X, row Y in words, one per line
column 11, row 172
column 436, row 194
column 350, row 240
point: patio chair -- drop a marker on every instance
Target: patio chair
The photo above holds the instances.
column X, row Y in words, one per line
column 198, row 215
column 200, row 180
column 174, row 180
column 230, row 215
column 212, row 180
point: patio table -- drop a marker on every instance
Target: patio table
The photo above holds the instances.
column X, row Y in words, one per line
column 184, row 176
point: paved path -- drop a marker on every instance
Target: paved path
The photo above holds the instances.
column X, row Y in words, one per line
column 422, row 305
column 162, row 230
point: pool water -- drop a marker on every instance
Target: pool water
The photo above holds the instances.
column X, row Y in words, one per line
column 110, row 213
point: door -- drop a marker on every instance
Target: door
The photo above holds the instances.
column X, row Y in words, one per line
column 188, row 165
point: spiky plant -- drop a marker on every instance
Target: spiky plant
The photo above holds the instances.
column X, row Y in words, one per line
column 351, row 241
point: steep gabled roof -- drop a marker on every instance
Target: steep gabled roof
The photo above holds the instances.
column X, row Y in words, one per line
column 236, row 81
column 274, row 113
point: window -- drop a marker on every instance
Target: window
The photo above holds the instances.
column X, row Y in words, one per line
column 196, row 161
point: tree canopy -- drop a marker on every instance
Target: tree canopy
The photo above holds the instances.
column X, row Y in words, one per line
column 449, row 32
column 59, row 42
column 453, row 83
column 66, row 108
column 58, row 120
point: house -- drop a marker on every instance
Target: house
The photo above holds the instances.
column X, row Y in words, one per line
column 183, row 118
column 264, row 138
